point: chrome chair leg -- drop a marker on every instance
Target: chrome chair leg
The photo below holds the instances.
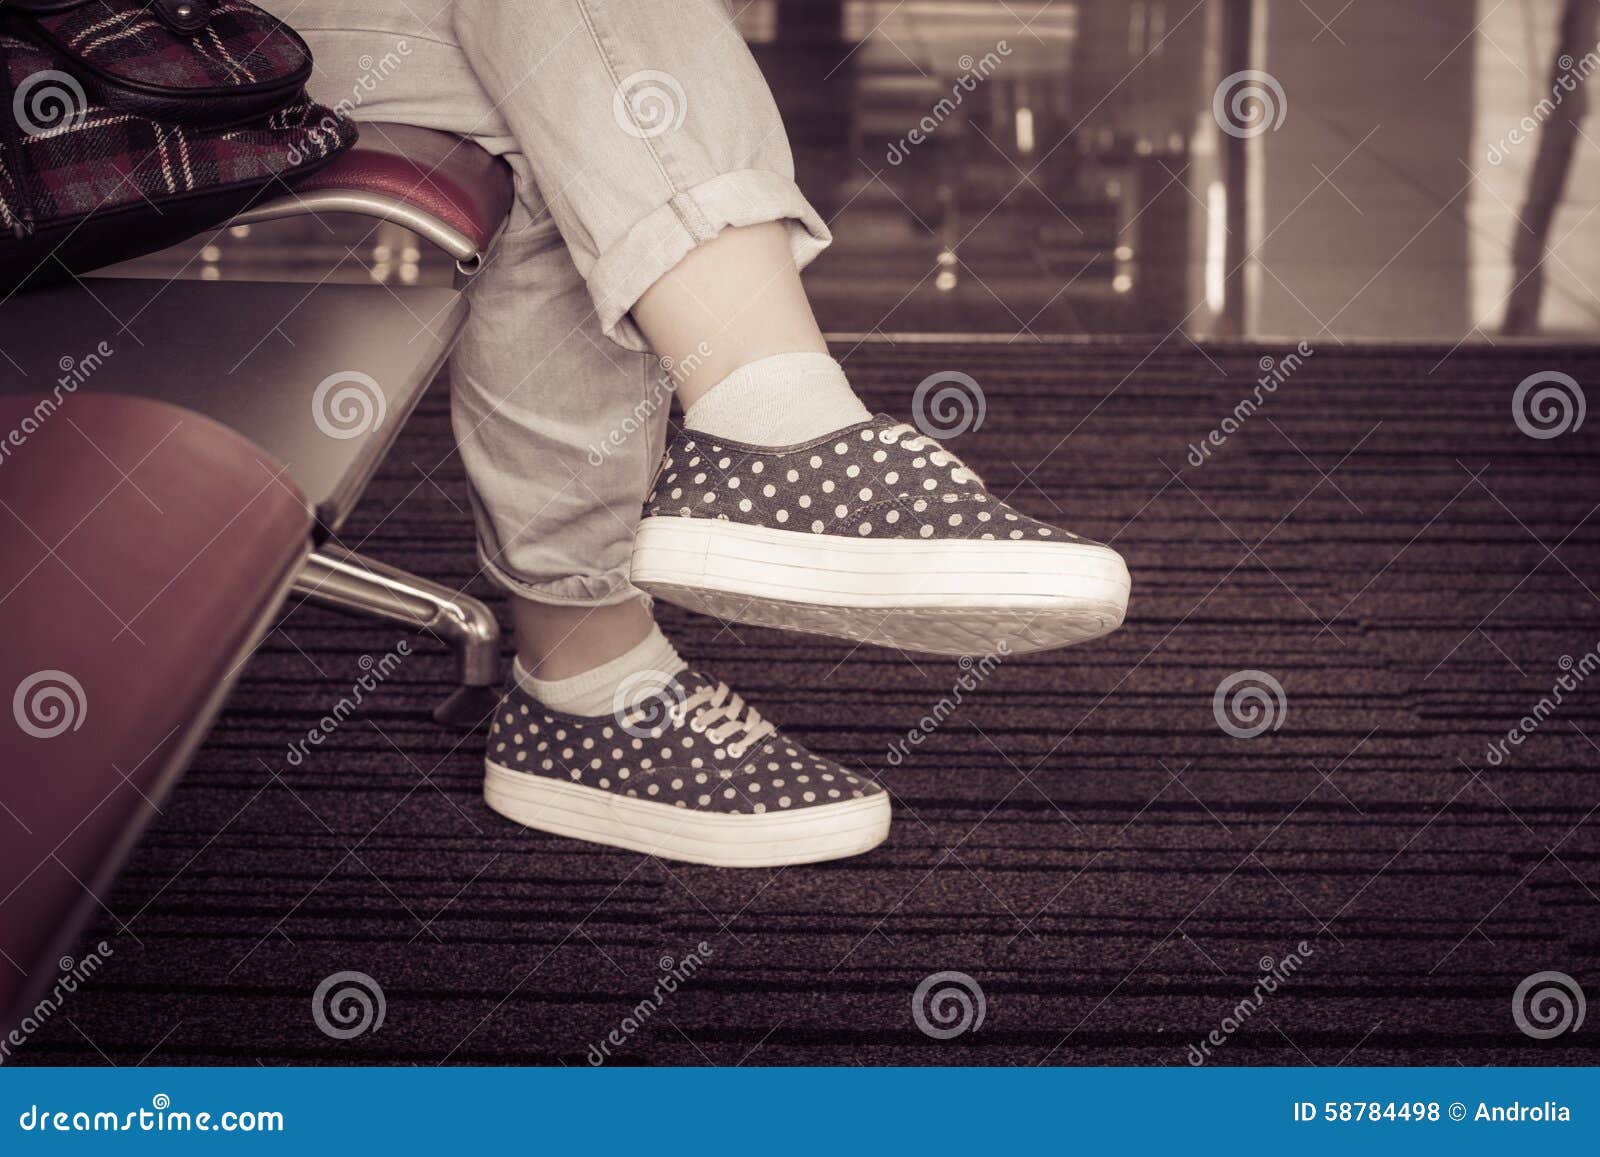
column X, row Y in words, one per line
column 352, row 582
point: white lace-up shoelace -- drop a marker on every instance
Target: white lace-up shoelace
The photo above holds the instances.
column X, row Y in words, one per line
column 907, row 435
column 709, row 704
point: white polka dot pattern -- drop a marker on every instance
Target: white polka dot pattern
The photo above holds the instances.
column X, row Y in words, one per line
column 881, row 479
column 681, row 763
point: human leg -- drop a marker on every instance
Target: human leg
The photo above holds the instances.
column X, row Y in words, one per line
column 560, row 428
column 685, row 222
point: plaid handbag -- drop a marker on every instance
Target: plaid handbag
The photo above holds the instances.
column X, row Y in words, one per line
column 128, row 125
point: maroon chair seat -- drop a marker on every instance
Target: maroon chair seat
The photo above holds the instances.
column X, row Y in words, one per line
column 144, row 550
column 439, row 185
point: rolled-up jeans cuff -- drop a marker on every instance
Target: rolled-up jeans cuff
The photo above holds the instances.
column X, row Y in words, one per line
column 574, row 591
column 665, row 236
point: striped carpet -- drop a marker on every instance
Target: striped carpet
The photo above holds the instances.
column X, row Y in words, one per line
column 1082, row 839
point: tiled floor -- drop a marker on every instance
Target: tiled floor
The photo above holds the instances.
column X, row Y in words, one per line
column 1085, row 183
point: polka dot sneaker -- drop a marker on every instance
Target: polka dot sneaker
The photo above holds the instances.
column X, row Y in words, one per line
column 682, row 769
column 874, row 533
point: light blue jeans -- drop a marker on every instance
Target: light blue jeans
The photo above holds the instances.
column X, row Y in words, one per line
column 637, row 129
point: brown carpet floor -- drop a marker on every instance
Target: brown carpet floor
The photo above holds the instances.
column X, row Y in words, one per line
column 1081, row 837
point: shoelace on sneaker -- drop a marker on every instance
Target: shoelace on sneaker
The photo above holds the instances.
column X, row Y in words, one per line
column 907, row 435
column 709, row 704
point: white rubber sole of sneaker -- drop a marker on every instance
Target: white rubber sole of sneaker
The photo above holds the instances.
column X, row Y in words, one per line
column 945, row 598
column 801, row 836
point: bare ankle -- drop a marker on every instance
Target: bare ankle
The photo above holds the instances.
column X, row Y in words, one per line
column 734, row 300
column 557, row 642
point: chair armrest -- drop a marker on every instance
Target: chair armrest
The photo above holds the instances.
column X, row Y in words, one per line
column 440, row 186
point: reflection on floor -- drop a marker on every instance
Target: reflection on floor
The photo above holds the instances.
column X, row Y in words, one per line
column 1081, row 837
column 1066, row 168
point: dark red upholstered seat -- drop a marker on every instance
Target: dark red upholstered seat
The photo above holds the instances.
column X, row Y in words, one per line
column 143, row 549
column 437, row 173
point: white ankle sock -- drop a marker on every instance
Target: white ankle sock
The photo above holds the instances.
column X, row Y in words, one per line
column 591, row 692
column 778, row 401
